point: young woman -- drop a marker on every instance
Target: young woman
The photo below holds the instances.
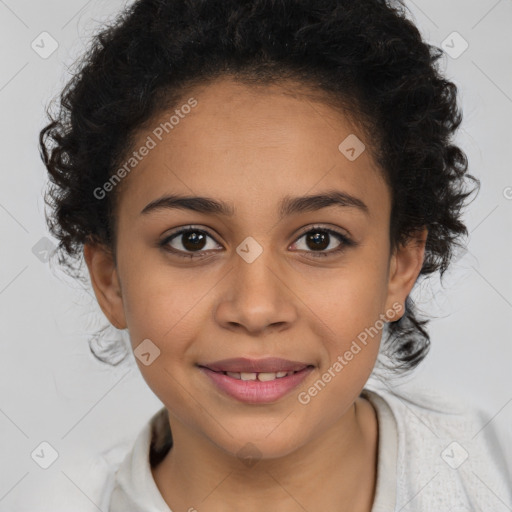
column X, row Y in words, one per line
column 255, row 187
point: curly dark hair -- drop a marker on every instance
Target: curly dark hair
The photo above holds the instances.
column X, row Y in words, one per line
column 366, row 56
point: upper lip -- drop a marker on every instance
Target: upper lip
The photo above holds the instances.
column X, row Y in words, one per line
column 266, row 365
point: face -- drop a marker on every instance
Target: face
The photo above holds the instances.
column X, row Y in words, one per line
column 271, row 277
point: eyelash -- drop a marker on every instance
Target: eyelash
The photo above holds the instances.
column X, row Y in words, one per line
column 345, row 241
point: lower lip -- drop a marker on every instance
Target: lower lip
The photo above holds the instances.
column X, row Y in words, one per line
column 255, row 391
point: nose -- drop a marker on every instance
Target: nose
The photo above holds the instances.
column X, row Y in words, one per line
column 257, row 297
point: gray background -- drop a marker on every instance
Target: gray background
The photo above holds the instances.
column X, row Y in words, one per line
column 51, row 388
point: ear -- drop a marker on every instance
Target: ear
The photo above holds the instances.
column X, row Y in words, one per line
column 404, row 268
column 105, row 282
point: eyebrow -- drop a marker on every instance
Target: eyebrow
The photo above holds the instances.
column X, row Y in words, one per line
column 287, row 207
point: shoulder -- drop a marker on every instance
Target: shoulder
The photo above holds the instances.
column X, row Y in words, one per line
column 449, row 454
column 87, row 484
column 99, row 477
column 80, row 483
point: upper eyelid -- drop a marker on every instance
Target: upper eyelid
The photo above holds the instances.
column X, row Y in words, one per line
column 336, row 231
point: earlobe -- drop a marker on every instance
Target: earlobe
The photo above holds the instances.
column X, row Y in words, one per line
column 105, row 282
column 405, row 266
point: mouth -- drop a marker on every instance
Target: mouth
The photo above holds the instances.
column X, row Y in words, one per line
column 267, row 365
column 260, row 376
column 256, row 381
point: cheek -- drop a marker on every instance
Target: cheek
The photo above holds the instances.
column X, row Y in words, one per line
column 168, row 307
column 157, row 298
column 351, row 304
column 168, row 316
column 351, row 308
column 351, row 297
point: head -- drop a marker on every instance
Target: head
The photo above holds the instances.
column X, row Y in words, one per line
column 267, row 179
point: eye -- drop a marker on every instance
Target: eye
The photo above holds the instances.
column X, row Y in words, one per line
column 194, row 242
column 317, row 239
column 190, row 239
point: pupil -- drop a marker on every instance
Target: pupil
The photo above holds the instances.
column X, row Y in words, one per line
column 321, row 240
column 193, row 240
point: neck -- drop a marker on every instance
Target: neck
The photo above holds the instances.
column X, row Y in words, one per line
column 342, row 460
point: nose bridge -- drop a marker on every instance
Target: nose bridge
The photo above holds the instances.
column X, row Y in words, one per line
column 255, row 271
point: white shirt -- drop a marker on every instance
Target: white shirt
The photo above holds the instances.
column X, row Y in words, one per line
column 434, row 455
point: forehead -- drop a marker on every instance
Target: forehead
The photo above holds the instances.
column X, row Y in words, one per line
column 250, row 146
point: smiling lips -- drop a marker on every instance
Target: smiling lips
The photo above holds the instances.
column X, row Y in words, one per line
column 256, row 380
column 242, row 364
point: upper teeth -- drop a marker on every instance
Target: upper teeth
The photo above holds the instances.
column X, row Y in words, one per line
column 262, row 376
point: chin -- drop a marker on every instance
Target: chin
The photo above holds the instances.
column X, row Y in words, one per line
column 250, row 445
